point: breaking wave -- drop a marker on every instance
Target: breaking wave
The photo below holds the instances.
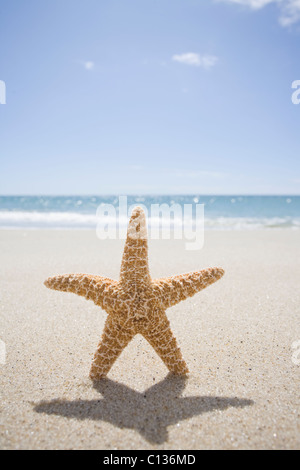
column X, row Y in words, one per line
column 77, row 220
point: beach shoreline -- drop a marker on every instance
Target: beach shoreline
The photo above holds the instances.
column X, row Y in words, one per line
column 237, row 338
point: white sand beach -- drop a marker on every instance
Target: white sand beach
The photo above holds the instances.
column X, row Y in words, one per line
column 236, row 337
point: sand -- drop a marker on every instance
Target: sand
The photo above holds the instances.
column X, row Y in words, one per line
column 236, row 337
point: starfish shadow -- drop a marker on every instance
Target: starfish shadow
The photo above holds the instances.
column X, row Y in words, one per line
column 150, row 413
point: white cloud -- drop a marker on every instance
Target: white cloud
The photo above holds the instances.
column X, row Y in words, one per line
column 289, row 9
column 89, row 65
column 191, row 58
column 137, row 167
column 254, row 4
column 290, row 12
column 185, row 173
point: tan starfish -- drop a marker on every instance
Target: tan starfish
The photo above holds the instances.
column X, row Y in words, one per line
column 136, row 303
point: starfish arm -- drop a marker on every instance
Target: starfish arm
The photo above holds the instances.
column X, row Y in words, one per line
column 114, row 340
column 134, row 267
column 173, row 290
column 164, row 343
column 96, row 288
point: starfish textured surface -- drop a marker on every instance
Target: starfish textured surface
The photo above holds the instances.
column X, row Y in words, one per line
column 136, row 304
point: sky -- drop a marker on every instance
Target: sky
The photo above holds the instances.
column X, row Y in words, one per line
column 149, row 97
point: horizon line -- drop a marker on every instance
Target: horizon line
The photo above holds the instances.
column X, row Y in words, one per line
column 154, row 195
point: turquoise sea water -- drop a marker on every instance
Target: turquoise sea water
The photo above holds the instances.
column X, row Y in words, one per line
column 220, row 212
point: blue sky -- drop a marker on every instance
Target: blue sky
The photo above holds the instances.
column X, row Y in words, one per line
column 152, row 97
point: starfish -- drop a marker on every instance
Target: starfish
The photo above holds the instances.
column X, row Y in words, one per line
column 136, row 304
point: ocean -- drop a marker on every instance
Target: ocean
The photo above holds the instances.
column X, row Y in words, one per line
column 220, row 212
